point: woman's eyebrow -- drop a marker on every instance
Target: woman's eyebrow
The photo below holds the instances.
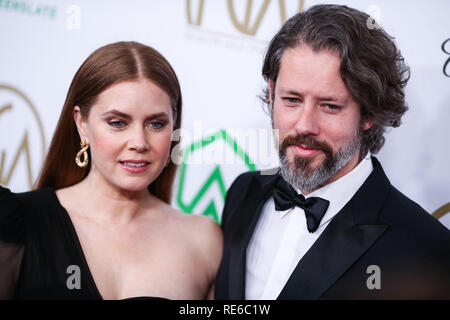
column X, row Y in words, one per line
column 128, row 117
column 117, row 113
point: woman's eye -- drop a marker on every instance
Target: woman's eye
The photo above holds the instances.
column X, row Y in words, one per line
column 116, row 124
column 156, row 124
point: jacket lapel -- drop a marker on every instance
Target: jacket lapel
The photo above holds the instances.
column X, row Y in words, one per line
column 350, row 233
column 259, row 191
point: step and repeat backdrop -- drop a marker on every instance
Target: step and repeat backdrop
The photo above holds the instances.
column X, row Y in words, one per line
column 216, row 48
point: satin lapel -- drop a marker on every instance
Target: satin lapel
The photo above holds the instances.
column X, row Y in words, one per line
column 332, row 254
column 257, row 194
column 351, row 233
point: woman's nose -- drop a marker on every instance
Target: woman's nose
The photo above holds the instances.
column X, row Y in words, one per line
column 138, row 140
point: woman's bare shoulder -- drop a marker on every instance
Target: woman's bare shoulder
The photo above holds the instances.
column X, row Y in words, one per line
column 203, row 231
column 199, row 225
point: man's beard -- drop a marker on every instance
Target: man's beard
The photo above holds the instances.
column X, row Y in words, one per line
column 300, row 175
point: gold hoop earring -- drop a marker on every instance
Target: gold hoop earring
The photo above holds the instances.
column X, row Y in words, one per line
column 84, row 146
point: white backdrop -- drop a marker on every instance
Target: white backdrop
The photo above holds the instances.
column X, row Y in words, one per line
column 217, row 55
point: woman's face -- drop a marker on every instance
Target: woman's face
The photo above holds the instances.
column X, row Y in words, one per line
column 129, row 131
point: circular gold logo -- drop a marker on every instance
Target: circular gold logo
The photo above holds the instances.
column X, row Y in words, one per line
column 22, row 147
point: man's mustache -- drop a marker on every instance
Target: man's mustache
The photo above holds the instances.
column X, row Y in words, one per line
column 308, row 141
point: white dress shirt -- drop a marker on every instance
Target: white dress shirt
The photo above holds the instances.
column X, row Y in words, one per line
column 281, row 238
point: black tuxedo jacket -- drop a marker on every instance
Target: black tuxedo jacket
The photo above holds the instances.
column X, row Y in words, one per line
column 379, row 226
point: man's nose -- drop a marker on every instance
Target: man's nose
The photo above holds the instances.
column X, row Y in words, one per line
column 308, row 120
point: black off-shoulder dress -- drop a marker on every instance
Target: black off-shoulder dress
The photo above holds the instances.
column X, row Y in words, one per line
column 40, row 253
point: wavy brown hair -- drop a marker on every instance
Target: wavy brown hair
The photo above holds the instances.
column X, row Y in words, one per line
column 372, row 67
column 108, row 65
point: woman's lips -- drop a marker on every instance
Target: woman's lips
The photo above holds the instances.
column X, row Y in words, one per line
column 134, row 166
column 304, row 151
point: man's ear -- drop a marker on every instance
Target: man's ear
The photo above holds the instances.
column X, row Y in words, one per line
column 271, row 88
column 368, row 123
column 80, row 122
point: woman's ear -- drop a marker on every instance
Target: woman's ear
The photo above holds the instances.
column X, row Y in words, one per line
column 80, row 122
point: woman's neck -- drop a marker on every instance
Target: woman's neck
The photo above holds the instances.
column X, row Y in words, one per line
column 107, row 203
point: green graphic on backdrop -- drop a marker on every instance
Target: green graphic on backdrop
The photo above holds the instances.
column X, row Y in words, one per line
column 29, row 8
column 215, row 177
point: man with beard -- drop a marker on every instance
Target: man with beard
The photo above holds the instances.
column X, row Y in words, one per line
column 328, row 224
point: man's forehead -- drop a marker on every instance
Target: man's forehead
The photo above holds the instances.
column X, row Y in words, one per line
column 304, row 60
column 303, row 68
column 303, row 49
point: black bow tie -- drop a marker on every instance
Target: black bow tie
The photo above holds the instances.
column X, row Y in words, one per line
column 286, row 197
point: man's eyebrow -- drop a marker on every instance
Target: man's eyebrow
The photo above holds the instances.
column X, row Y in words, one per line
column 324, row 98
column 290, row 91
column 331, row 98
column 128, row 117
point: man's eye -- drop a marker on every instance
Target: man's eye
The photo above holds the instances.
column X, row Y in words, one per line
column 291, row 100
column 117, row 124
column 332, row 107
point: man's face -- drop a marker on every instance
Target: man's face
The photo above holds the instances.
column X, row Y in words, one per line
column 319, row 122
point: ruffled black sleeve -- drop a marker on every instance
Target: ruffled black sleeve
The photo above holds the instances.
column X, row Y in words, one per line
column 12, row 239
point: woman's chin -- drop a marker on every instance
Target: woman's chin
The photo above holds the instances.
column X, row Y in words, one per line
column 134, row 187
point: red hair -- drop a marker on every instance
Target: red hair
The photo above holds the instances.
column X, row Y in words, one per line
column 108, row 65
